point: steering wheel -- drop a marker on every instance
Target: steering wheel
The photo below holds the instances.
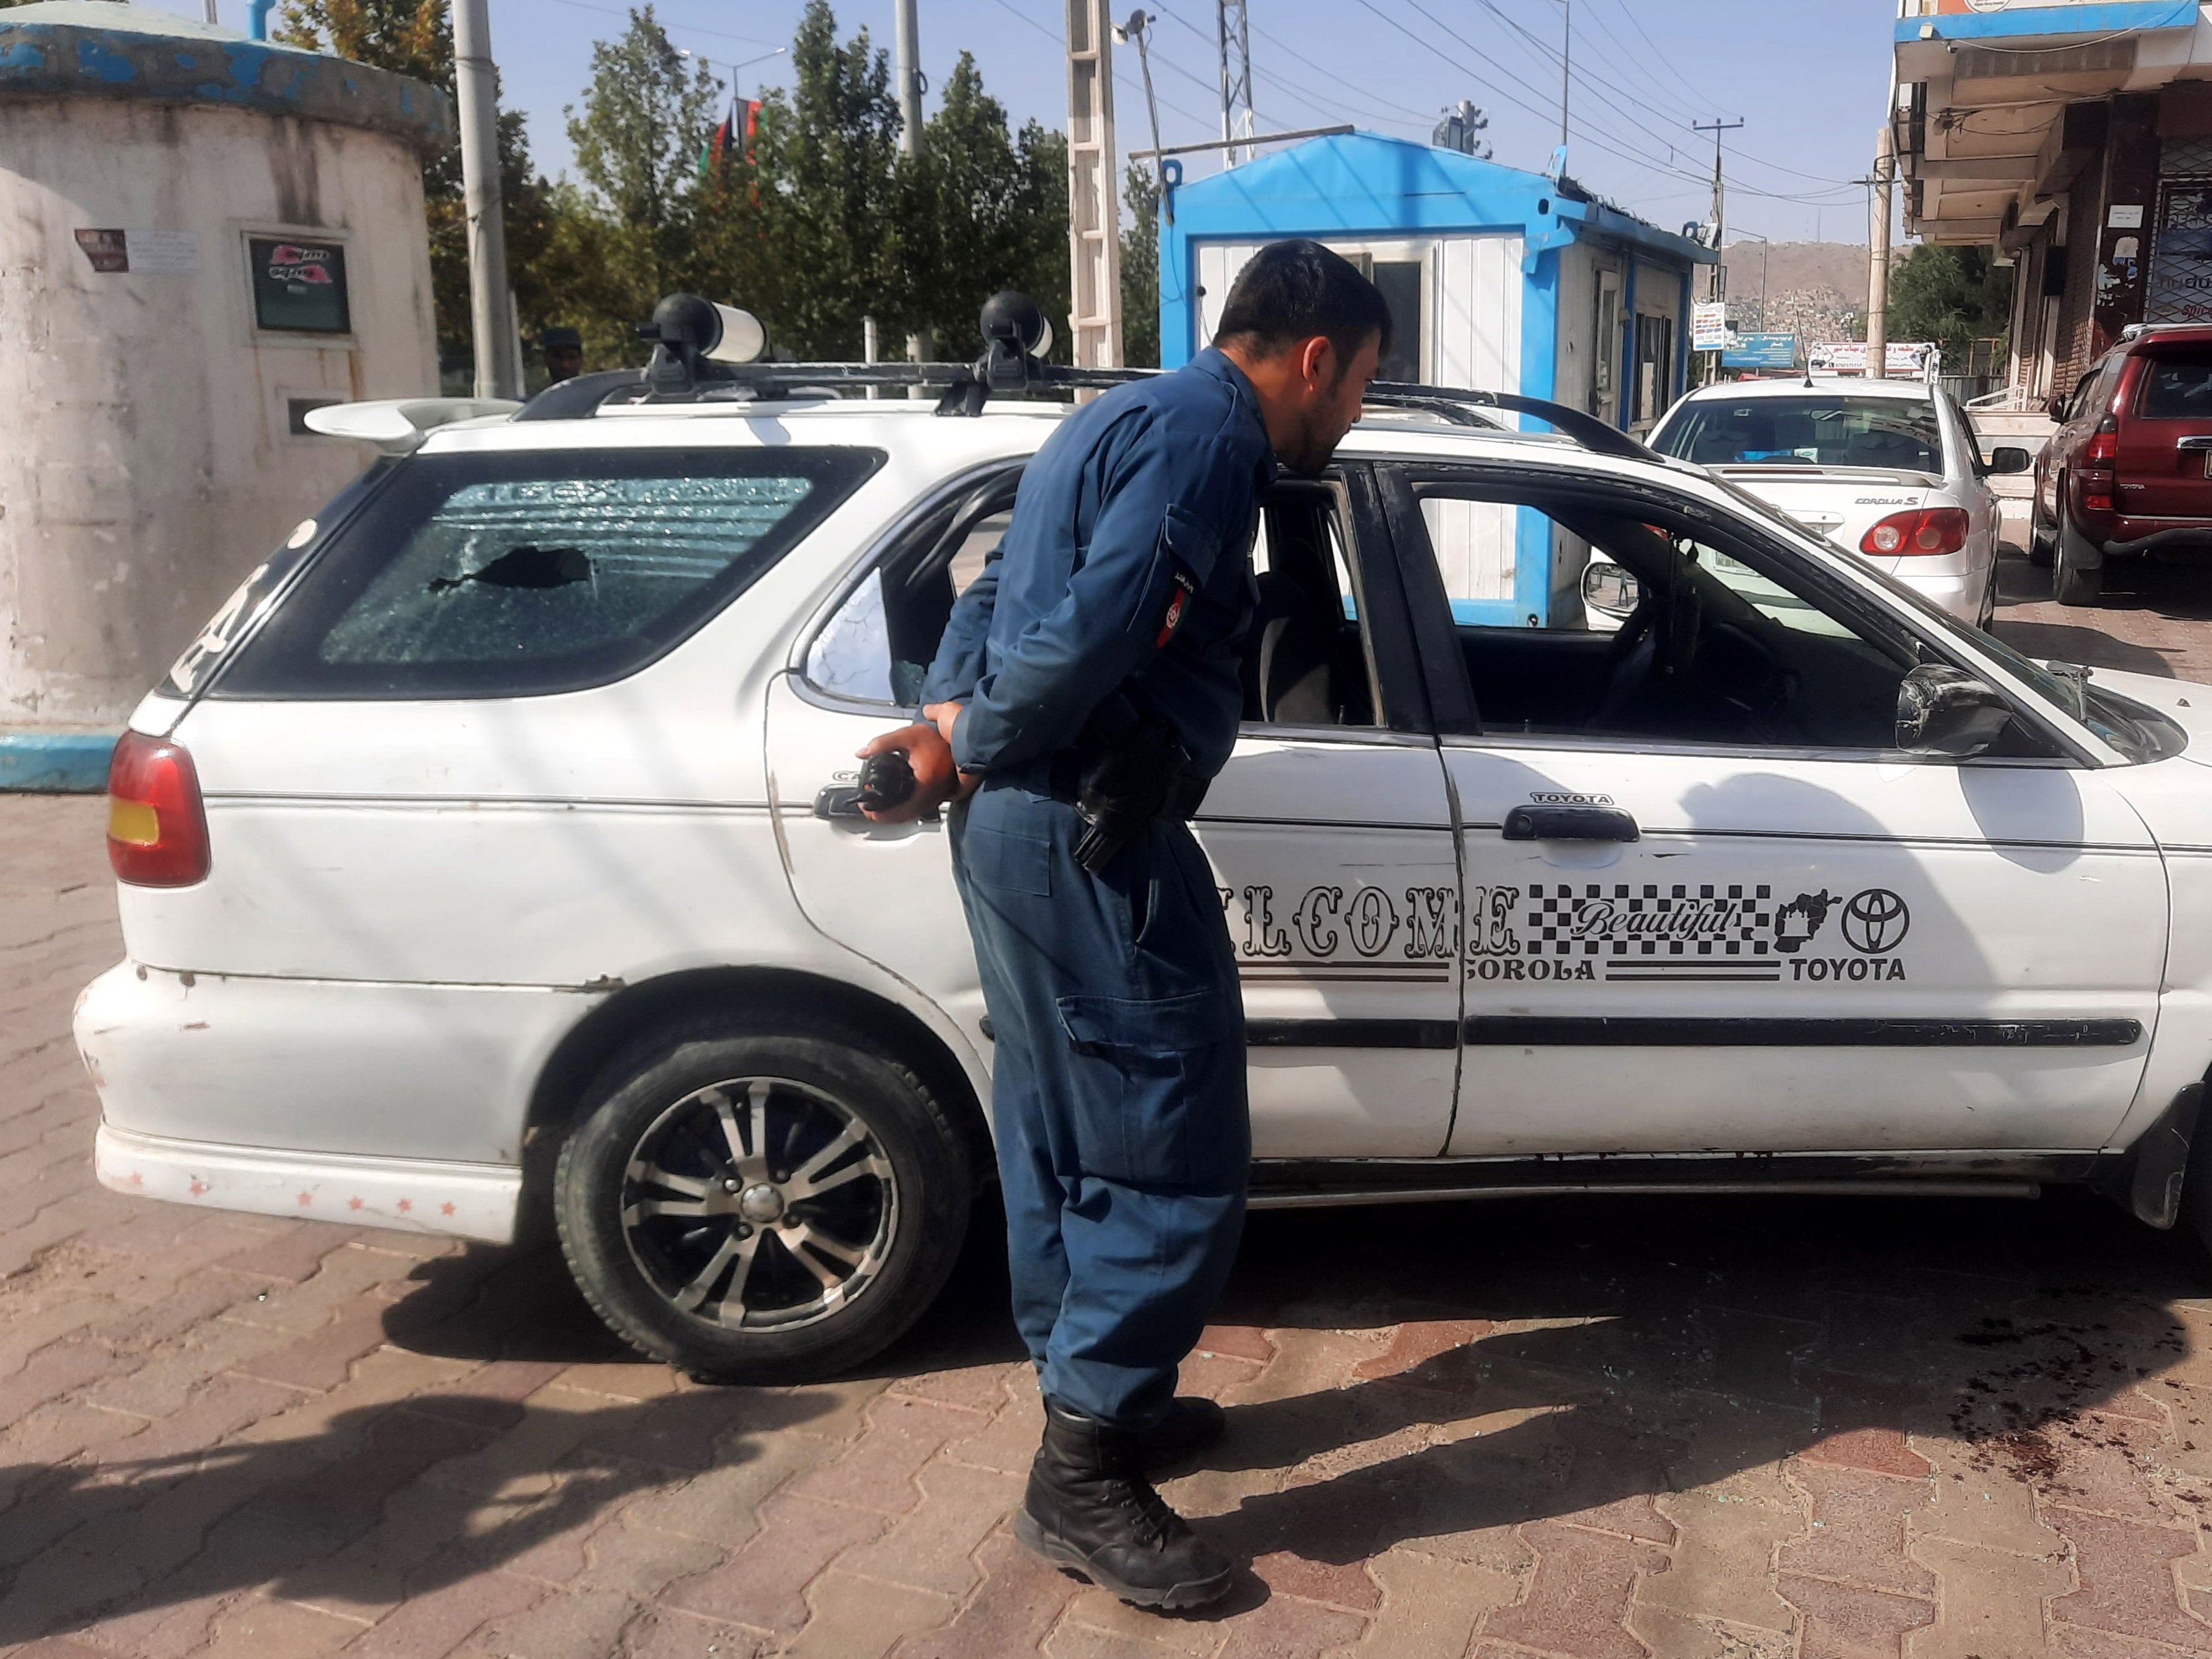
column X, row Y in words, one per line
column 1631, row 663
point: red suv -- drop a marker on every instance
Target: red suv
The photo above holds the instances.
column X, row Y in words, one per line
column 2129, row 468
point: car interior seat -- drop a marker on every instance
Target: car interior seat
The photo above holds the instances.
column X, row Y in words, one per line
column 1288, row 661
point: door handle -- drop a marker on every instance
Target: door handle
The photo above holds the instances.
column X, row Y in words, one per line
column 840, row 803
column 2199, row 442
column 1570, row 823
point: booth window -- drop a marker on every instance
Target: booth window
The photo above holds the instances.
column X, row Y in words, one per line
column 298, row 285
column 1654, row 367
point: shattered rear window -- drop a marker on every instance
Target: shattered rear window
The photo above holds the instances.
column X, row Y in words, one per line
column 507, row 575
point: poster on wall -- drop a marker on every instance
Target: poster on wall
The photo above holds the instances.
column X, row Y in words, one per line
column 141, row 253
column 2180, row 286
column 1709, row 328
column 298, row 285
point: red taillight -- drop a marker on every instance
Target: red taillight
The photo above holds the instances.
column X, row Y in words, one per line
column 1924, row 530
column 2103, row 448
column 156, row 829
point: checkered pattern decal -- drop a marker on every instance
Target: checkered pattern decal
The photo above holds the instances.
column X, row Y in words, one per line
column 1648, row 929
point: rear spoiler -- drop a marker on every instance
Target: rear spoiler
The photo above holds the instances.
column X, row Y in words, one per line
column 397, row 426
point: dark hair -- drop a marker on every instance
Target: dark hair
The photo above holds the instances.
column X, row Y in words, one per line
column 1292, row 291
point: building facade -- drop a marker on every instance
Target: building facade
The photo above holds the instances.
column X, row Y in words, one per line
column 2075, row 140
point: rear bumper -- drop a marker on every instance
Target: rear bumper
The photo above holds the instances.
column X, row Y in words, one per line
column 312, row 1069
column 466, row 1200
column 1956, row 585
column 2134, row 538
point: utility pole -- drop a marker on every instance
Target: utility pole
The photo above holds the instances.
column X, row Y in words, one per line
column 1094, row 211
column 1884, row 168
column 1566, row 72
column 1719, row 287
column 491, row 302
column 920, row 347
column 1233, row 33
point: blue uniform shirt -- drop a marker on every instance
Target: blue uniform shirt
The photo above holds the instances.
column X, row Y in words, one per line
column 1127, row 565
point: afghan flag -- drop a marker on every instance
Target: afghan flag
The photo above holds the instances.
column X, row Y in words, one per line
column 725, row 137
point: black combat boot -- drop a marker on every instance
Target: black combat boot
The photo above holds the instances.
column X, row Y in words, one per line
column 1091, row 1508
column 1192, row 1424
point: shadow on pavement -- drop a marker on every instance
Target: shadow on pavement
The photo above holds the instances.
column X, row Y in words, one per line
column 2180, row 591
column 1653, row 1344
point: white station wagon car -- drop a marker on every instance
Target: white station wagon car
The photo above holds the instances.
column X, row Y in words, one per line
column 494, row 856
column 1890, row 470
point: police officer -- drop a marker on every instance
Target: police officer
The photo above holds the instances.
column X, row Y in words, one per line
column 1086, row 687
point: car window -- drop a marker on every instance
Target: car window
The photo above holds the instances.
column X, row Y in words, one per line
column 1818, row 428
column 1663, row 628
column 1306, row 660
column 2176, row 386
column 509, row 575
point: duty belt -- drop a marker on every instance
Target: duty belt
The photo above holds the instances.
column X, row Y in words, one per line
column 1122, row 774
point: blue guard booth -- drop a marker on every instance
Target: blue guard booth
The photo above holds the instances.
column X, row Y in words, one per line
column 1497, row 280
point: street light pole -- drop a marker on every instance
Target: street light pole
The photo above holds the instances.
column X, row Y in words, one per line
column 920, row 347
column 491, row 302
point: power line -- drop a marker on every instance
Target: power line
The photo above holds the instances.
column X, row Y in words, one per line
column 1371, row 104
column 1636, row 23
column 679, row 28
column 1060, row 44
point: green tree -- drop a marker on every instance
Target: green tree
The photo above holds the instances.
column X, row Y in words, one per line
column 812, row 229
column 1952, row 295
column 416, row 38
column 646, row 119
column 1141, row 269
column 986, row 209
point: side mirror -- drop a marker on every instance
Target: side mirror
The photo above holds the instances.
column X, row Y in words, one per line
column 2009, row 460
column 1609, row 588
column 1947, row 712
column 2055, row 407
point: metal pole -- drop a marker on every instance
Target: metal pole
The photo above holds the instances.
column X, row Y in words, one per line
column 211, row 16
column 920, row 347
column 1138, row 28
column 909, row 78
column 1566, row 72
column 1885, row 165
column 491, row 305
column 1221, row 35
column 1718, row 289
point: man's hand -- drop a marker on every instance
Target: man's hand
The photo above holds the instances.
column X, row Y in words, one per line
column 928, row 750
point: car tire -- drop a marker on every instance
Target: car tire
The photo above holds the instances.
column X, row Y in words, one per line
column 2072, row 582
column 772, row 1199
column 2039, row 542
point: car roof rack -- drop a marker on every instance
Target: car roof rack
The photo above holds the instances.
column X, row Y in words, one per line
column 1012, row 366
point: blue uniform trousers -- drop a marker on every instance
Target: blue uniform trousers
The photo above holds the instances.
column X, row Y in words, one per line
column 1117, row 1092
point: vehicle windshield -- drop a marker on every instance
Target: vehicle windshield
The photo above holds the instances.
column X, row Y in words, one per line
column 1819, row 429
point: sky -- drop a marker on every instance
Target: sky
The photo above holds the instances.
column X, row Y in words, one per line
column 1806, row 77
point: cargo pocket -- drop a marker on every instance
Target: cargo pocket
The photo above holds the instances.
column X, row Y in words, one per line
column 1159, row 1090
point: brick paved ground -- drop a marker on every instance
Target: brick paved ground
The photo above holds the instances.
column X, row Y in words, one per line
column 2151, row 620
column 1715, row 1430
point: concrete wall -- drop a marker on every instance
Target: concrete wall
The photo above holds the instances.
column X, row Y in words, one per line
column 150, row 463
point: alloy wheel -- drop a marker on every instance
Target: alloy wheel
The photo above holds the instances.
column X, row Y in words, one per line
column 759, row 1203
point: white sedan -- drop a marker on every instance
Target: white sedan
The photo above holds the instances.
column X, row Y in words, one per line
column 1889, row 469
column 497, row 853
